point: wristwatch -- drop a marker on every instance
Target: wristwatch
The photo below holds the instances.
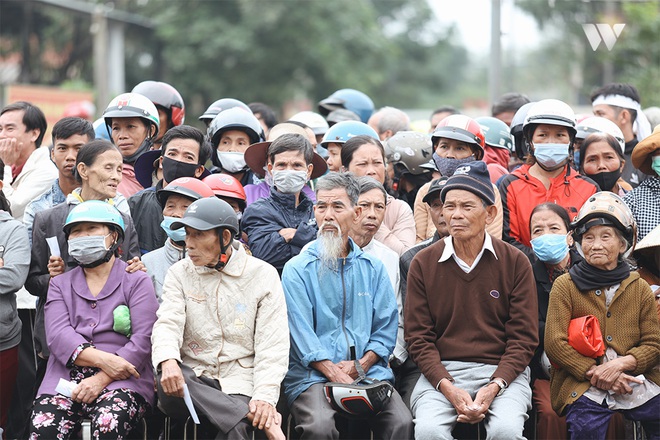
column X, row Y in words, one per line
column 500, row 383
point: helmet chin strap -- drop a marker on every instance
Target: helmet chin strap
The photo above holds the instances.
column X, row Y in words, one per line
column 222, row 261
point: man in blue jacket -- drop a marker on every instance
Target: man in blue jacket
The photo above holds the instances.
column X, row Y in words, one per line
column 341, row 308
column 279, row 226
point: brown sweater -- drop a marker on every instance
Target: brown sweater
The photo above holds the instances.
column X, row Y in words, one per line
column 488, row 315
column 630, row 326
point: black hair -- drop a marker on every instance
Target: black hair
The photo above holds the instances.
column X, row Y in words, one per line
column 623, row 89
column 549, row 206
column 33, row 118
column 598, row 137
column 71, row 126
column 354, row 143
column 446, row 109
column 89, row 152
column 509, row 102
column 188, row 132
column 4, row 203
column 266, row 113
column 291, row 142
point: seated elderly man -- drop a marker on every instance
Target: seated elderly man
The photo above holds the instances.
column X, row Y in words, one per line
column 342, row 309
column 472, row 369
column 221, row 329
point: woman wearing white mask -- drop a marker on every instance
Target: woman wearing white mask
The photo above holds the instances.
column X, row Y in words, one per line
column 99, row 320
column 231, row 132
column 549, row 131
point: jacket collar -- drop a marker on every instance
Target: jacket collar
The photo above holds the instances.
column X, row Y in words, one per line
column 234, row 267
column 289, row 200
column 79, row 283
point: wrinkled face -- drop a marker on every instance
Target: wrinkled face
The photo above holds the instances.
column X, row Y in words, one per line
column 551, row 134
column 334, row 157
column 465, row 214
column 234, row 141
column 203, row 246
column 372, row 204
column 545, row 222
column 88, row 229
column 334, row 207
column 435, row 207
column 453, row 149
column 176, row 206
column 602, row 246
column 65, row 152
column 128, row 134
column 368, row 161
column 103, row 176
column 600, row 157
column 11, row 126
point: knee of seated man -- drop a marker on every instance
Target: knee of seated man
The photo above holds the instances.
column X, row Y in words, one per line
column 429, row 429
column 507, row 427
column 317, row 426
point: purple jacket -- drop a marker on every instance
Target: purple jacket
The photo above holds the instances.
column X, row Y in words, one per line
column 74, row 317
column 262, row 191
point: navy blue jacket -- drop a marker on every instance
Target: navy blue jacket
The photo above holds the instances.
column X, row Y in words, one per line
column 264, row 218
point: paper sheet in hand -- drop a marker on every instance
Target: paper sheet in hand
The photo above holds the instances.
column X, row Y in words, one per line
column 65, row 387
column 53, row 246
column 189, row 404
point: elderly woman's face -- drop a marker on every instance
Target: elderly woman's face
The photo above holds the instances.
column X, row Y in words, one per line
column 101, row 178
column 602, row 247
column 87, row 229
column 368, row 161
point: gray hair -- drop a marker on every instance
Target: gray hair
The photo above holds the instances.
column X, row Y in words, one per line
column 390, row 118
column 345, row 181
column 366, row 184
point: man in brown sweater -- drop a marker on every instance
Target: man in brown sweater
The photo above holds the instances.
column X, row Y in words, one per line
column 471, row 319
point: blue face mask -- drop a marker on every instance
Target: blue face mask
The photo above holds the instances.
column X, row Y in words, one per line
column 447, row 166
column 551, row 156
column 550, row 248
column 177, row 235
column 655, row 164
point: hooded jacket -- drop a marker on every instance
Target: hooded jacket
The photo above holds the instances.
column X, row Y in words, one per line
column 331, row 311
column 15, row 252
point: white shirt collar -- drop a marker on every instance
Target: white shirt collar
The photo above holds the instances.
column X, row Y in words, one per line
column 450, row 252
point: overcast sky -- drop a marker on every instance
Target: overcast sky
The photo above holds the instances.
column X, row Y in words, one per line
column 473, row 20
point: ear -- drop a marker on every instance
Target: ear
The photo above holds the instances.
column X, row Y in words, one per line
column 310, row 168
column 270, row 167
column 623, row 162
column 34, row 134
column 226, row 237
column 624, row 117
column 1, row 184
column 160, row 163
column 491, row 213
column 198, row 171
column 569, row 239
column 82, row 170
column 358, row 213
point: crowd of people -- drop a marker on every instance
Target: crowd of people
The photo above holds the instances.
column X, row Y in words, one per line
column 337, row 274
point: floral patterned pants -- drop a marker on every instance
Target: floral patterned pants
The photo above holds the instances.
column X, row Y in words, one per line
column 113, row 414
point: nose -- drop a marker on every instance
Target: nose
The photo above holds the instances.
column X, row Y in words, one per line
column 371, row 212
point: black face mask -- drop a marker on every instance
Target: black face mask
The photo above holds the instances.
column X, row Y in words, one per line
column 173, row 169
column 606, row 180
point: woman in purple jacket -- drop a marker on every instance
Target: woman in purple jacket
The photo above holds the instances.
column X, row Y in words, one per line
column 98, row 327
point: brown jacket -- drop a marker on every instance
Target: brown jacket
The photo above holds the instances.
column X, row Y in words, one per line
column 630, row 326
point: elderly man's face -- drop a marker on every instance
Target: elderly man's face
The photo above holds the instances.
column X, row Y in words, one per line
column 373, row 212
column 435, row 208
column 203, row 246
column 465, row 214
column 334, row 213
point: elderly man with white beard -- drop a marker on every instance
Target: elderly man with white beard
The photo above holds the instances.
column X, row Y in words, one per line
column 341, row 309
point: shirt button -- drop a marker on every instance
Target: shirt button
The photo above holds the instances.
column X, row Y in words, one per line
column 609, row 338
column 93, row 305
column 573, row 394
column 598, row 292
column 609, row 314
column 93, row 324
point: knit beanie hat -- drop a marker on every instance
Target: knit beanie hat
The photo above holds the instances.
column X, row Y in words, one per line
column 471, row 177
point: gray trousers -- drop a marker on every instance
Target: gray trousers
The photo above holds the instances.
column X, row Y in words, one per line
column 435, row 416
column 226, row 412
column 315, row 418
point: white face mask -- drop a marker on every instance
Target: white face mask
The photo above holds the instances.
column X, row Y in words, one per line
column 89, row 251
column 289, row 181
column 232, row 162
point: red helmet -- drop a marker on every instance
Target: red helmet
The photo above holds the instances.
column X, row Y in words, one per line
column 164, row 95
column 189, row 187
column 461, row 128
column 224, row 185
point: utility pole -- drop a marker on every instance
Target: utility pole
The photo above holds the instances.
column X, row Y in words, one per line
column 495, row 67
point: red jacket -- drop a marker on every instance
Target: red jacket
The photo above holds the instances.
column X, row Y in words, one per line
column 521, row 192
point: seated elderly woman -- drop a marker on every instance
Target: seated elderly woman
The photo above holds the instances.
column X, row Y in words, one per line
column 93, row 341
column 625, row 379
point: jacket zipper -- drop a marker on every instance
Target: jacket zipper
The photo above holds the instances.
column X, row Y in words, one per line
column 343, row 310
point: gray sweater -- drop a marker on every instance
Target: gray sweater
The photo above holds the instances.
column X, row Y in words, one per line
column 158, row 263
column 15, row 252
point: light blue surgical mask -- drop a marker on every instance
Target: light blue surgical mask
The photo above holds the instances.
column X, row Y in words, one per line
column 551, row 156
column 655, row 164
column 550, row 248
column 177, row 235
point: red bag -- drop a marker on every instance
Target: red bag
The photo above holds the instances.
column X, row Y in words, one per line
column 585, row 337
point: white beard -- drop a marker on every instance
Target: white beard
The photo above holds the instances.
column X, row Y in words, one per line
column 330, row 246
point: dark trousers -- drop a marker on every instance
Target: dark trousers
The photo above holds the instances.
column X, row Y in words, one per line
column 315, row 418
column 8, row 371
column 587, row 419
column 224, row 411
column 405, row 378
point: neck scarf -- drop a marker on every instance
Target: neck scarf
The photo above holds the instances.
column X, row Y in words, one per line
column 587, row 277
